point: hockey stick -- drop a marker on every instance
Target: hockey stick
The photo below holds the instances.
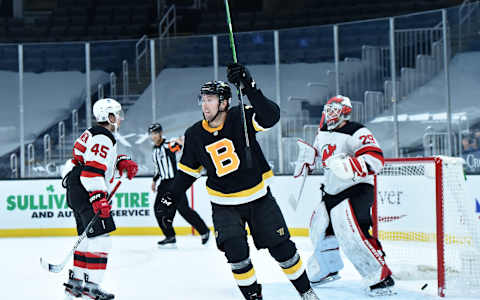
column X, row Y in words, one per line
column 248, row 152
column 291, row 199
column 58, row 268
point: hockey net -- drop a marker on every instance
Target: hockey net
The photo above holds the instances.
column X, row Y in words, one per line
column 427, row 223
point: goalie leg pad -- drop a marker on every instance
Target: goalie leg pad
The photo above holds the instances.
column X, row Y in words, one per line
column 318, row 223
column 325, row 259
column 326, row 256
column 367, row 258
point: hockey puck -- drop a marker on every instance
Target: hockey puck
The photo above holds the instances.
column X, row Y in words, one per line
column 424, row 286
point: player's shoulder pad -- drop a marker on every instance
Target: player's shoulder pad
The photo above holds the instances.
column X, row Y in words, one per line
column 96, row 130
column 194, row 129
column 350, row 128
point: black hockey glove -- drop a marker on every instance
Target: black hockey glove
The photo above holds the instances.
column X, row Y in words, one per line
column 239, row 75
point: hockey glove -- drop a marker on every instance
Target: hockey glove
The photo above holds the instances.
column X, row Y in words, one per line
column 306, row 158
column 346, row 167
column 359, row 166
column 100, row 203
column 240, row 76
column 125, row 163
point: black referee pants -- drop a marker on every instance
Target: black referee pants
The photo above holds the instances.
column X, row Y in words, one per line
column 165, row 214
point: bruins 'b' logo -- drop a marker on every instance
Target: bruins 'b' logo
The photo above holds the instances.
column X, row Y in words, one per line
column 327, row 151
column 223, row 156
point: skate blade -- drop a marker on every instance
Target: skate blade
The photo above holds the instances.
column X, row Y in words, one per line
column 325, row 280
column 167, row 246
column 71, row 295
column 381, row 292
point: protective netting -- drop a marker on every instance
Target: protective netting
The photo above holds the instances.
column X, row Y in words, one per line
column 408, row 193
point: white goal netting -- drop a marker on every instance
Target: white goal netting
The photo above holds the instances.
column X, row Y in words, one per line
column 419, row 202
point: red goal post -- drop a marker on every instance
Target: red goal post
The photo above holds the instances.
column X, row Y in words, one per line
column 426, row 223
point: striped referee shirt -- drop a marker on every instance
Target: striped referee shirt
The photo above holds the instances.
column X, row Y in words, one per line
column 165, row 160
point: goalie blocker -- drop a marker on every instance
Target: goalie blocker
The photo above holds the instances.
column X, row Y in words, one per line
column 350, row 157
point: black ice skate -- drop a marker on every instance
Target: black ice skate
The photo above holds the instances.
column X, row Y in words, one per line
column 257, row 295
column 168, row 243
column 330, row 277
column 205, row 237
column 74, row 286
column 383, row 288
column 310, row 295
column 93, row 291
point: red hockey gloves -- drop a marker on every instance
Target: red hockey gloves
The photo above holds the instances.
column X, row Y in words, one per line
column 239, row 75
column 125, row 163
column 100, row 203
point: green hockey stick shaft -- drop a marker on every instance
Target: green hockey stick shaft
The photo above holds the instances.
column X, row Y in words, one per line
column 248, row 152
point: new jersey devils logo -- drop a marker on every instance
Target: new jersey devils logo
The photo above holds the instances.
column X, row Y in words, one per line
column 327, row 151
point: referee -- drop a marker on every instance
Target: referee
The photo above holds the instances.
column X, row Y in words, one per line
column 165, row 162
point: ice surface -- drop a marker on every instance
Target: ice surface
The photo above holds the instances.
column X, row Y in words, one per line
column 139, row 270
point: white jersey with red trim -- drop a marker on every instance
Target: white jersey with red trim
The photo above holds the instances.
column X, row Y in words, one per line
column 354, row 140
column 96, row 151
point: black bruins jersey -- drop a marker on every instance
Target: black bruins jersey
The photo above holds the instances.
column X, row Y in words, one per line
column 221, row 151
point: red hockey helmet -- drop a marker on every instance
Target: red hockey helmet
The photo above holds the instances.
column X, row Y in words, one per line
column 335, row 111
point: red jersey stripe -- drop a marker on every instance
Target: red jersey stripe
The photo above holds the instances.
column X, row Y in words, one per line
column 80, row 147
column 90, row 174
column 367, row 149
column 376, row 155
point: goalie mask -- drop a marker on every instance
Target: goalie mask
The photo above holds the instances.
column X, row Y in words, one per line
column 337, row 110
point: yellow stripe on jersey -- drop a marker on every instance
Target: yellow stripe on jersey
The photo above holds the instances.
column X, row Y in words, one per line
column 257, row 126
column 244, row 193
column 192, row 172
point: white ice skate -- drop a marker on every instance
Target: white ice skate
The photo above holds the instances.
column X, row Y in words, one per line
column 334, row 276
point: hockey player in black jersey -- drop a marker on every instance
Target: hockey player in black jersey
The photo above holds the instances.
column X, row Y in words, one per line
column 239, row 194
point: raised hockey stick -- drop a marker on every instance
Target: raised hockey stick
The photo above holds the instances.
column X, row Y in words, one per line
column 291, row 199
column 58, row 268
column 248, row 151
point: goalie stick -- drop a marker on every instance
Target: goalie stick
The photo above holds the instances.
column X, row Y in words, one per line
column 291, row 199
column 58, row 268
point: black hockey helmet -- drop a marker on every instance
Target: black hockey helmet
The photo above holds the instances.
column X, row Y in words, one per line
column 219, row 88
column 155, row 127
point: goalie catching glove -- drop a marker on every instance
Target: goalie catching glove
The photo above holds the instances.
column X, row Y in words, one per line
column 306, row 158
column 125, row 163
column 346, row 167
